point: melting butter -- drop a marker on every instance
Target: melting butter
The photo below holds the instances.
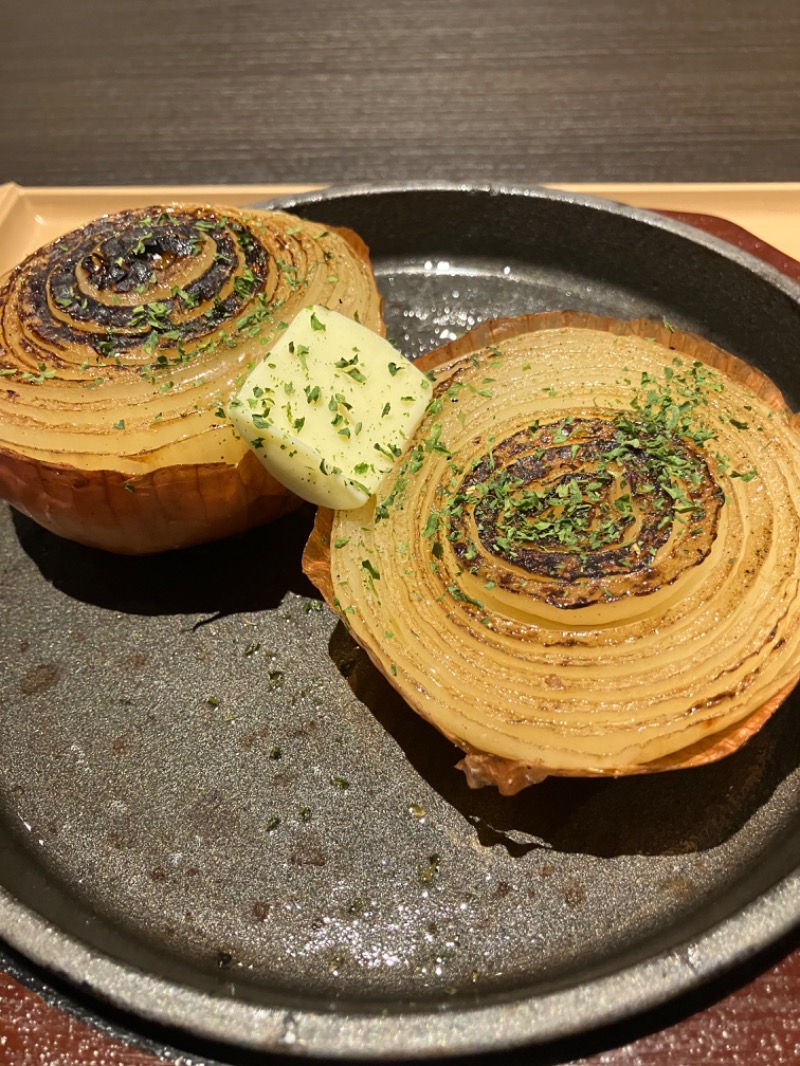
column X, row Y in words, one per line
column 330, row 408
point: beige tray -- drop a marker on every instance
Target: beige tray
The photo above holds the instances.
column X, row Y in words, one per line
column 29, row 217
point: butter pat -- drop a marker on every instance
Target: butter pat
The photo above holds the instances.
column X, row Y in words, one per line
column 330, row 408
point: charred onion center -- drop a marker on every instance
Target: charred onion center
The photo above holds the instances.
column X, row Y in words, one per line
column 157, row 280
column 581, row 502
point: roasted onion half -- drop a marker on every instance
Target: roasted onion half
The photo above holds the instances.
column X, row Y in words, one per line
column 587, row 560
column 120, row 345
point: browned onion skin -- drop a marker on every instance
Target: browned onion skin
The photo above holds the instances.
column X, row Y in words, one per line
column 120, row 346
column 170, row 507
column 507, row 774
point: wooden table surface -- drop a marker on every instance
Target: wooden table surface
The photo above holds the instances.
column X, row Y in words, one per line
column 172, row 91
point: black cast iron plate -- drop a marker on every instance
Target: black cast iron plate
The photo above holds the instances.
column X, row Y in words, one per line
column 217, row 816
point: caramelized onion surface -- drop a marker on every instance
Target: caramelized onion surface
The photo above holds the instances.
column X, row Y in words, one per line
column 120, row 345
column 587, row 561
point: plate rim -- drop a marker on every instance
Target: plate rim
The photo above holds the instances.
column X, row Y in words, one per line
column 650, row 217
column 416, row 1032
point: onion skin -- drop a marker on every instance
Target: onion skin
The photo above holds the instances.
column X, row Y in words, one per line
column 711, row 723
column 167, row 508
column 120, row 346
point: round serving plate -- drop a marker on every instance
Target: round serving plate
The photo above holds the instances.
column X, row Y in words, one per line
column 217, row 817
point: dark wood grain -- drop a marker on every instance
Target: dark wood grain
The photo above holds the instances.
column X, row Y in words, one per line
column 173, row 91
column 524, row 90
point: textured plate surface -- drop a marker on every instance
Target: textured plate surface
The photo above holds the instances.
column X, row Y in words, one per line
column 216, row 815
